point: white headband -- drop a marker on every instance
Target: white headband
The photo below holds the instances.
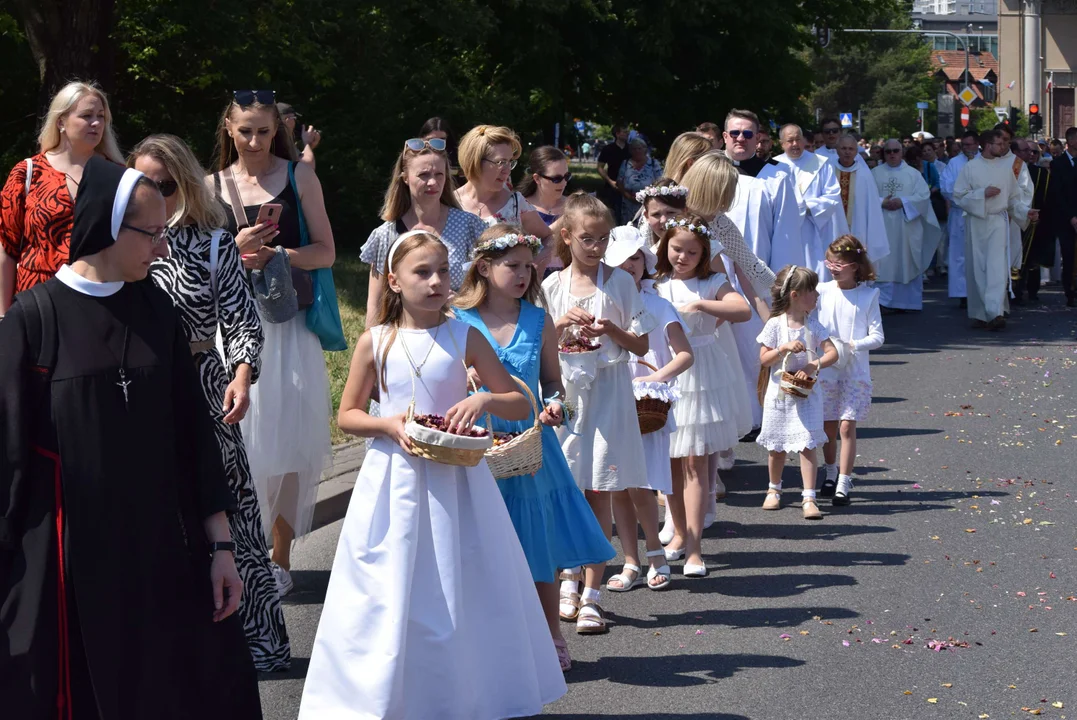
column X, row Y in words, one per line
column 123, row 196
column 402, row 238
column 785, row 283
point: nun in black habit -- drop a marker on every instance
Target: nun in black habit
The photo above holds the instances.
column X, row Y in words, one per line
column 117, row 585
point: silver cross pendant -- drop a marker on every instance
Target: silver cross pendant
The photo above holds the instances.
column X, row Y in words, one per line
column 122, row 384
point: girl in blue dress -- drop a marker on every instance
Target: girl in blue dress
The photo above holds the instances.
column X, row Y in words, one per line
column 557, row 529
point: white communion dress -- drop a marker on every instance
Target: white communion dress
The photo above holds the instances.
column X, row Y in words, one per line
column 431, row 610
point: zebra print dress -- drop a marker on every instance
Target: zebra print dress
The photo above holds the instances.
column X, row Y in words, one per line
column 185, row 276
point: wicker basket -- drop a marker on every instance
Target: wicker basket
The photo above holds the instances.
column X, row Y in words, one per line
column 791, row 385
column 651, row 412
column 443, row 447
column 523, row 454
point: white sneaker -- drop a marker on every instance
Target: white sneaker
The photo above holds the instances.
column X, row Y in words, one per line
column 283, row 579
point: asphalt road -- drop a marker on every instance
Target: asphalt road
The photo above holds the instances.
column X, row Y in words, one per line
column 961, row 532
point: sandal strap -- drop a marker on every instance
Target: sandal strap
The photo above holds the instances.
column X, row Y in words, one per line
column 772, row 491
column 805, row 501
column 662, row 569
column 660, row 552
column 598, row 616
column 630, row 566
column 570, row 577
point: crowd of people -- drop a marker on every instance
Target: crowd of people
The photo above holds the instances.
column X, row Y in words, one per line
column 165, row 402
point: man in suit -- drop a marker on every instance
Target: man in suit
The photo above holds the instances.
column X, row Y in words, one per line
column 1064, row 175
column 1037, row 241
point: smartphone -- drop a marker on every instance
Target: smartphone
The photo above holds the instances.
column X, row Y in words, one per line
column 269, row 213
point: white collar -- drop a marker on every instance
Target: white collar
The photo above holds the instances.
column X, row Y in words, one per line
column 87, row 287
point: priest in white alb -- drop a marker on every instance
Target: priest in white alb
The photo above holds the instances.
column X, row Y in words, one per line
column 818, row 193
column 990, row 194
column 970, row 148
column 911, row 229
column 860, row 199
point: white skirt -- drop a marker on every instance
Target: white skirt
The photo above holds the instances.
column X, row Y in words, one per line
column 286, row 430
column 412, row 628
column 656, row 451
column 706, row 414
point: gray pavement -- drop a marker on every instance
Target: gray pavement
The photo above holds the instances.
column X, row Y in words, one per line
column 961, row 532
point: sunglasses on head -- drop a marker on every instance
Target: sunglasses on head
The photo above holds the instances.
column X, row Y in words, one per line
column 168, row 188
column 244, row 98
column 748, row 134
column 556, row 179
column 418, row 144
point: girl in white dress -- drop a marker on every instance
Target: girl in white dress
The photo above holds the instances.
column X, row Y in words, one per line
column 412, row 628
column 705, row 424
column 670, row 352
column 849, row 310
column 793, row 424
column 595, row 302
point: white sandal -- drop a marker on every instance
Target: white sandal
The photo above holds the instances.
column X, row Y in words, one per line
column 659, row 571
column 622, row 578
column 569, row 608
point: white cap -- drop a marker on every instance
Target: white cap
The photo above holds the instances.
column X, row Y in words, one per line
column 626, row 241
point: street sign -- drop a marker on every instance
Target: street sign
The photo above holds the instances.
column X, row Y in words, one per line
column 922, row 106
column 846, row 119
column 968, row 96
column 580, row 127
column 964, row 117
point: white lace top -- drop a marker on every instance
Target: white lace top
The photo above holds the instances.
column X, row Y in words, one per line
column 731, row 242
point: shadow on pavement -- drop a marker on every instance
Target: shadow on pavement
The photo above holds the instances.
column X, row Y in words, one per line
column 795, row 530
column 744, row 560
column 673, row 670
column 756, row 586
column 648, row 715
column 310, row 587
column 298, row 671
column 738, row 619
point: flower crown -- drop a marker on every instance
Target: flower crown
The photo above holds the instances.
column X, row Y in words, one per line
column 858, row 251
column 661, row 191
column 688, row 225
column 508, row 241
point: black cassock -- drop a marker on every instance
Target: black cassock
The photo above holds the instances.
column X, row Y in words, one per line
column 114, row 621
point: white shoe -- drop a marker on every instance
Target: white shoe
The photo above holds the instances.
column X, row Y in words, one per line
column 845, row 488
column 665, row 536
column 283, row 579
column 708, row 520
column 719, row 489
column 694, row 571
column 726, row 460
column 674, row 555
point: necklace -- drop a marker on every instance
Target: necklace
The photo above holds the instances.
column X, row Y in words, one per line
column 499, row 317
column 124, row 382
column 419, row 368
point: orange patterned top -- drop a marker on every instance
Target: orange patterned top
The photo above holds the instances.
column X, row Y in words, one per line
column 35, row 228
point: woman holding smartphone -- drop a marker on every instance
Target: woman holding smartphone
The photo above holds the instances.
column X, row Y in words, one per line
column 287, row 428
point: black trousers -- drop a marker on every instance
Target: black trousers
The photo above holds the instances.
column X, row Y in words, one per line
column 1067, row 242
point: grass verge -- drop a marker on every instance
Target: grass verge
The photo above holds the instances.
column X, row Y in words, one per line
column 350, row 276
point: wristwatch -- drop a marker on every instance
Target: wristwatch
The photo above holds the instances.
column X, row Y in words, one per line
column 225, row 546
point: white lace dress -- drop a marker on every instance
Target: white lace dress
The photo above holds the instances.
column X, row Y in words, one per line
column 792, row 424
column 706, row 413
column 603, row 444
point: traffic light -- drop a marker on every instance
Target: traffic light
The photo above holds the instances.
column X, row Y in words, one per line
column 918, row 121
column 1015, row 115
column 1035, row 120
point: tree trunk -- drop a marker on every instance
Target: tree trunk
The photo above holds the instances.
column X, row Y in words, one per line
column 70, row 41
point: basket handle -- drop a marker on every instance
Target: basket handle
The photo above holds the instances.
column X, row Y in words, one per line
column 807, row 351
column 531, row 397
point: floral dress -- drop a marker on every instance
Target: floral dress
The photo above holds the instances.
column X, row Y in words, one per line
column 633, row 180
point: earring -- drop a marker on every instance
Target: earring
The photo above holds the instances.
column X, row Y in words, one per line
column 63, row 129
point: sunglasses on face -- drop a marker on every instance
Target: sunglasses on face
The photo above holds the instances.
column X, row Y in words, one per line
column 831, row 131
column 892, row 151
column 556, row 179
column 167, row 187
column 244, row 98
column 418, row 144
column 501, row 164
column 156, row 237
column 748, row 134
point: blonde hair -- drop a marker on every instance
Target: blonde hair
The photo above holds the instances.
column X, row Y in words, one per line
column 398, row 198
column 282, row 144
column 63, row 104
column 476, row 287
column 802, row 280
column 711, row 183
column 196, row 203
column 391, row 307
column 477, row 143
column 578, row 206
column 686, row 149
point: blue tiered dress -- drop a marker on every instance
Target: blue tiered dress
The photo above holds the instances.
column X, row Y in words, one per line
column 556, row 526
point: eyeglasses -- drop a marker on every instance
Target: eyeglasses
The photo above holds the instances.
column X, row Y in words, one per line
column 831, row 131
column 748, row 134
column 168, row 188
column 556, row 179
column 419, row 144
column 158, row 237
column 501, row 164
column 244, row 98
column 591, row 243
column 892, row 151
